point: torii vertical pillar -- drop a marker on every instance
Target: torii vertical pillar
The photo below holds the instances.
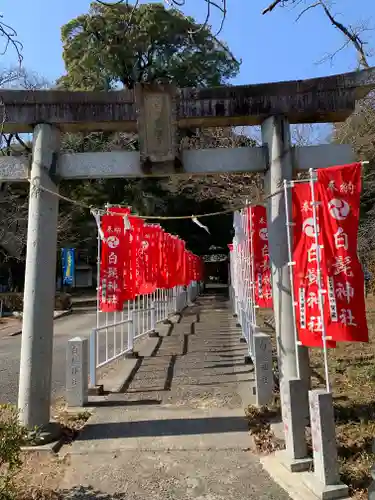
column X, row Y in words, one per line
column 276, row 135
column 34, row 397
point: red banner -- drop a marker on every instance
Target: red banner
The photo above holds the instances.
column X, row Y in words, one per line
column 261, row 259
column 196, row 271
column 180, row 271
column 112, row 261
column 339, row 190
column 131, row 240
column 137, row 258
column 149, row 257
column 308, row 317
column 166, row 259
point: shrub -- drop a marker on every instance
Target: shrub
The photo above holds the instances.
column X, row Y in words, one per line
column 14, row 301
column 12, row 436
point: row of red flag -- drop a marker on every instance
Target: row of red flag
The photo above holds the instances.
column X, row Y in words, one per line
column 337, row 205
column 137, row 258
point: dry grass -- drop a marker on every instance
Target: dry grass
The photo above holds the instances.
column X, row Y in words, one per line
column 40, row 476
column 352, row 375
column 41, row 472
column 259, row 420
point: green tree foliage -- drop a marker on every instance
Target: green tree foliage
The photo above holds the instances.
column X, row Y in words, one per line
column 120, row 45
column 115, row 47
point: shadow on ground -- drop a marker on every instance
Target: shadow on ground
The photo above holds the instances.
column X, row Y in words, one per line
column 167, row 427
column 86, row 493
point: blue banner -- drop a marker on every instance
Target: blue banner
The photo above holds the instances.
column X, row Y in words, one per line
column 68, row 267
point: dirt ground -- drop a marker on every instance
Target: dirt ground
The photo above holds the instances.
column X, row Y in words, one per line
column 41, row 473
column 352, row 376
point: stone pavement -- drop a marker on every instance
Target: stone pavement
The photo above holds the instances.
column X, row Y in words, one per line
column 178, row 431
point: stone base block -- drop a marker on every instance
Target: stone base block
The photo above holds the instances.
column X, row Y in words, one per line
column 263, row 369
column 293, row 416
column 326, row 492
column 130, row 355
column 294, row 484
column 96, row 390
column 294, row 464
column 248, row 360
column 49, row 434
column 153, row 335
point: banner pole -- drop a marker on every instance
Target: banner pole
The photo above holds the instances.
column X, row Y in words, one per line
column 289, row 225
column 249, row 313
column 98, row 274
column 319, row 280
column 243, row 274
column 252, row 276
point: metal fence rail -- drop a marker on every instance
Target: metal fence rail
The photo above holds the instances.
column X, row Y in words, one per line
column 116, row 333
column 242, row 278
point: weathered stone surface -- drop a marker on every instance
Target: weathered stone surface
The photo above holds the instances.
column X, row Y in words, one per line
column 327, row 99
column 263, row 369
column 294, row 423
column 323, row 436
column 77, row 372
column 73, row 111
column 156, row 122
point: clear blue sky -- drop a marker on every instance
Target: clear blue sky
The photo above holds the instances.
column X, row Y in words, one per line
column 272, row 47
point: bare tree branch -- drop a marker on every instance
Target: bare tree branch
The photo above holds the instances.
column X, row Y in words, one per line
column 13, row 198
column 351, row 34
column 272, row 6
column 309, row 7
column 10, row 38
column 220, row 5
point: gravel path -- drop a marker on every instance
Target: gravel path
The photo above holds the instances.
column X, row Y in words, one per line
column 179, row 431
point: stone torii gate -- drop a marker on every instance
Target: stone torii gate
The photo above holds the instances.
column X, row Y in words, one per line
column 157, row 113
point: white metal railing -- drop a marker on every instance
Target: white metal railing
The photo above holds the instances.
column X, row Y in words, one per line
column 116, row 332
column 242, row 277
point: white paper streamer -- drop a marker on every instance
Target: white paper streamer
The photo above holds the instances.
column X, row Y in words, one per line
column 196, row 221
column 96, row 216
column 127, row 224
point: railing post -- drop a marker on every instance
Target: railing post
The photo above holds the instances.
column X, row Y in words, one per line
column 153, row 317
column 131, row 353
column 131, row 332
column 92, row 361
column 177, row 299
column 153, row 332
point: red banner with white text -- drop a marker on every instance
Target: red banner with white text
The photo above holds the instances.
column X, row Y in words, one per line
column 308, row 317
column 112, row 261
column 339, row 190
column 131, row 244
column 148, row 257
column 137, row 258
column 261, row 260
